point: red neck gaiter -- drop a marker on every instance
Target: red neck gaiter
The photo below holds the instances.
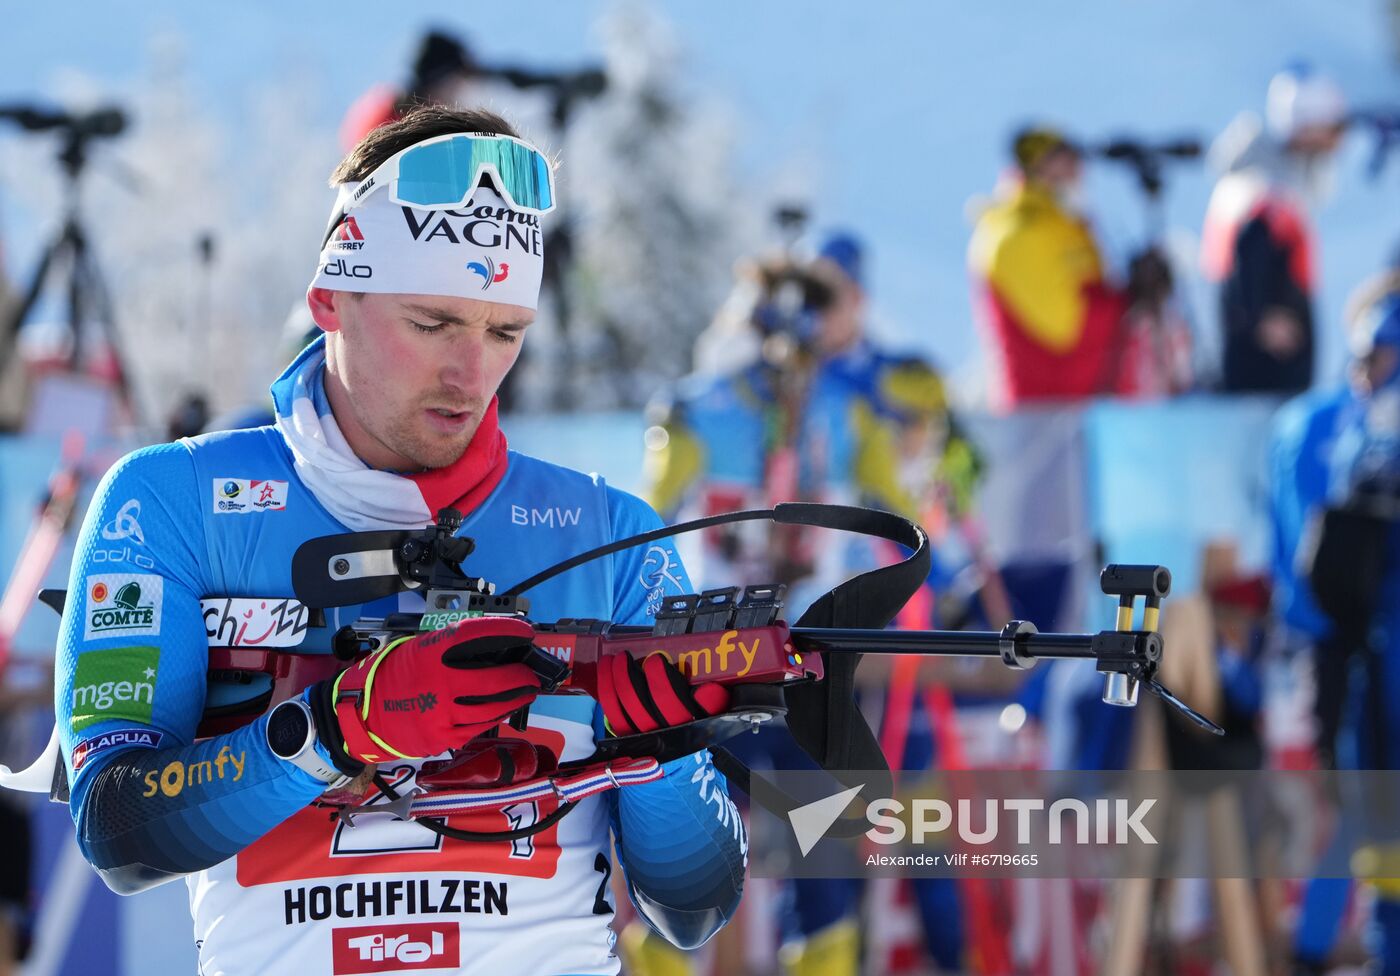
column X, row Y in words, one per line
column 465, row 483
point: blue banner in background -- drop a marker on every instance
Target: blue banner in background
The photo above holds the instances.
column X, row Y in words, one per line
column 1166, row 478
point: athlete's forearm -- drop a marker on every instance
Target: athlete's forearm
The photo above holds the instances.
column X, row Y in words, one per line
column 150, row 815
column 683, row 847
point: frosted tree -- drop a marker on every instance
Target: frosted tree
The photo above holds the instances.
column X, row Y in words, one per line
column 655, row 219
column 205, row 244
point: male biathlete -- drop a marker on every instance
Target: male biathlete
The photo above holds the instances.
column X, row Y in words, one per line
column 426, row 284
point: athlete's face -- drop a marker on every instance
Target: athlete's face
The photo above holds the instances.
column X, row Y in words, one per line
column 409, row 377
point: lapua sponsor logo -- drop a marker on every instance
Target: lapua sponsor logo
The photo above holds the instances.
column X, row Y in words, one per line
column 86, row 749
column 123, row 605
column 395, row 948
column 243, row 495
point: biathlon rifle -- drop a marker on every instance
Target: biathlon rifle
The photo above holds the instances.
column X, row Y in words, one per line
column 802, row 672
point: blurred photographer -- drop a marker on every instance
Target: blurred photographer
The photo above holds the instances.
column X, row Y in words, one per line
column 793, row 401
column 1258, row 243
column 1049, row 315
column 442, row 69
column 1349, row 566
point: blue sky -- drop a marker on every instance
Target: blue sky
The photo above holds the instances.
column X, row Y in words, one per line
column 894, row 114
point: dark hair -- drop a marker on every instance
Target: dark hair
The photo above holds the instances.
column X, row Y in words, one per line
column 420, row 123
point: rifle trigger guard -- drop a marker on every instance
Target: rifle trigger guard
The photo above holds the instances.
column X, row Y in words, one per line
column 1011, row 655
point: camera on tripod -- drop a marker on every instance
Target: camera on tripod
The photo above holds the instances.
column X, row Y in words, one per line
column 107, row 121
column 69, row 255
column 1384, row 126
column 1147, row 159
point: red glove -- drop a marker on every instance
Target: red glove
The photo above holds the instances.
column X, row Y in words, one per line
column 424, row 695
column 643, row 696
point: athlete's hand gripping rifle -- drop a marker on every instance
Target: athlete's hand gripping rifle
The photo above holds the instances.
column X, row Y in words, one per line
column 801, row 672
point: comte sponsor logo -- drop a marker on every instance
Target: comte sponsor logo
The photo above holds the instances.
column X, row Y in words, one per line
column 395, row 948
column 86, row 749
column 121, row 605
column 233, row 496
column 117, row 684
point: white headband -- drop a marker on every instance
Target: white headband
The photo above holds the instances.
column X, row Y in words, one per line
column 482, row 250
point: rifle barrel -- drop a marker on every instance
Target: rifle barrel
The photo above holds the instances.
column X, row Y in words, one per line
column 940, row 642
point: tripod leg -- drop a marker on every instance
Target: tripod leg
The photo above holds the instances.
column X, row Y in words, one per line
column 96, row 300
column 9, row 332
column 75, row 294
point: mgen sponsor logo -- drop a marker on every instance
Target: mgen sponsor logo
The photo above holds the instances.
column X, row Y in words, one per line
column 115, row 684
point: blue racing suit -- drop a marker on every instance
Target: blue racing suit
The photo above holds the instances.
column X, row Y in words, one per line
column 191, row 543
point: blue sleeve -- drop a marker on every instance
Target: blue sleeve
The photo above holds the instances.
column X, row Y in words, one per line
column 149, row 803
column 680, row 840
column 1302, row 433
column 1241, row 683
column 643, row 575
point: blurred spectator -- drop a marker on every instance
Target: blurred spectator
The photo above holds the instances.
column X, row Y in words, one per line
column 1302, row 442
column 1048, row 313
column 1155, row 338
column 1353, row 571
column 1258, row 243
column 1304, row 432
column 442, row 66
column 794, row 402
column 1236, row 621
column 189, row 416
column 806, row 408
